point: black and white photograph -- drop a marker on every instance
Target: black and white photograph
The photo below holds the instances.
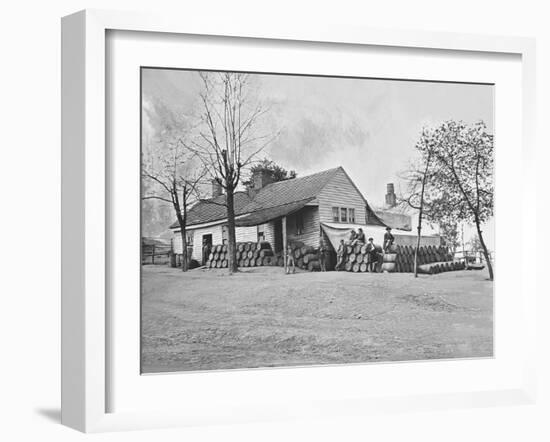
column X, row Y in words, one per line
column 298, row 220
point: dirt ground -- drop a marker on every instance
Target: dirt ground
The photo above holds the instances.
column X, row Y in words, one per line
column 207, row 319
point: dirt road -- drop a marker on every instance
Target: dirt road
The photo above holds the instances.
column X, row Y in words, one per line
column 207, row 319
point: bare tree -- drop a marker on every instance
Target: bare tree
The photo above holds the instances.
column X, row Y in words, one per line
column 174, row 172
column 229, row 139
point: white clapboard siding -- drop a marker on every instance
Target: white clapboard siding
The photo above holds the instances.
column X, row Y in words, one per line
column 215, row 231
column 246, row 234
column 269, row 233
column 340, row 192
column 311, row 232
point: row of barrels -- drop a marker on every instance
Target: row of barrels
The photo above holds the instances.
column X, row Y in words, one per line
column 248, row 254
column 357, row 258
column 439, row 267
column 251, row 254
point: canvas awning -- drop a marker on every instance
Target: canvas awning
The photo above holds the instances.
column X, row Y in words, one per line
column 265, row 215
column 338, row 231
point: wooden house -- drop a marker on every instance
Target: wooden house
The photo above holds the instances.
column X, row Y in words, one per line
column 299, row 209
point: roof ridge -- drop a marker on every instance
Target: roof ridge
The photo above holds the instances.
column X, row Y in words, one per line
column 332, row 169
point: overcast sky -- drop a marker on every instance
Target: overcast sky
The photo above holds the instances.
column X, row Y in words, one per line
column 368, row 126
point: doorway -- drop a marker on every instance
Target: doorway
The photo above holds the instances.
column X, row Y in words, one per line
column 206, row 247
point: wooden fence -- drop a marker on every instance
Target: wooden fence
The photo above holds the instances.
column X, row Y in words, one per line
column 155, row 254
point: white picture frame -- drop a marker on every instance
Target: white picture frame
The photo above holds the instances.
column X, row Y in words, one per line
column 85, row 202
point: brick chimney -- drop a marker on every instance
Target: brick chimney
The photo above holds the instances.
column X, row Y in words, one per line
column 261, row 178
column 391, row 199
column 216, row 188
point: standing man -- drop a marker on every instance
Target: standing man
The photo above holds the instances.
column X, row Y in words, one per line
column 388, row 239
column 323, row 255
column 205, row 251
column 340, row 255
column 290, row 259
column 372, row 255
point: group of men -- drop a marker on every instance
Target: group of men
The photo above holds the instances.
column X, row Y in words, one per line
column 373, row 251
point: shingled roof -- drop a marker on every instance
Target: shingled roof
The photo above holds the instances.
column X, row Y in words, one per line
column 271, row 201
column 213, row 209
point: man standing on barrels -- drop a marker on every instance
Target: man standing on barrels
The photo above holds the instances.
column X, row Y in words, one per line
column 290, row 259
column 388, row 240
column 361, row 236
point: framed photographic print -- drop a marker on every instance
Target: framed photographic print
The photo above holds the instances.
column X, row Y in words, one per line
column 267, row 222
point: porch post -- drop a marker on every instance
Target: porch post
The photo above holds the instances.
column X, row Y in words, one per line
column 284, row 241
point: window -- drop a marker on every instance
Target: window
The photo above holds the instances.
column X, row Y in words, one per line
column 261, row 232
column 189, row 237
column 343, row 215
column 299, row 223
column 224, row 234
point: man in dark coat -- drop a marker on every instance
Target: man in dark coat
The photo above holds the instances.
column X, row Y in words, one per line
column 372, row 256
column 388, row 239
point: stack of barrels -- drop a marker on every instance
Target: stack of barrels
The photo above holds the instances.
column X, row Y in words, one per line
column 252, row 254
column 431, row 259
column 357, row 258
column 249, row 254
column 305, row 257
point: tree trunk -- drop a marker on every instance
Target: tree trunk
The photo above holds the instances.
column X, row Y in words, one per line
column 184, row 260
column 231, row 241
column 420, row 211
column 485, row 250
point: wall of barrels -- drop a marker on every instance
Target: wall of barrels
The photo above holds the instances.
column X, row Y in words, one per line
column 400, row 259
column 257, row 254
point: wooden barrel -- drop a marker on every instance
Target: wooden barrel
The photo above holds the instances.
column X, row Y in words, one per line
column 348, row 266
column 240, row 247
column 392, row 248
column 349, row 250
column 359, row 258
column 252, row 262
column 267, row 260
column 211, row 257
column 224, row 263
column 313, row 265
column 387, row 267
column 297, row 253
column 389, row 257
column 363, row 249
column 310, row 257
column 224, row 248
column 259, row 262
column 363, row 267
column 355, row 268
column 250, row 254
column 300, row 262
column 216, row 256
column 351, row 258
column 266, row 252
